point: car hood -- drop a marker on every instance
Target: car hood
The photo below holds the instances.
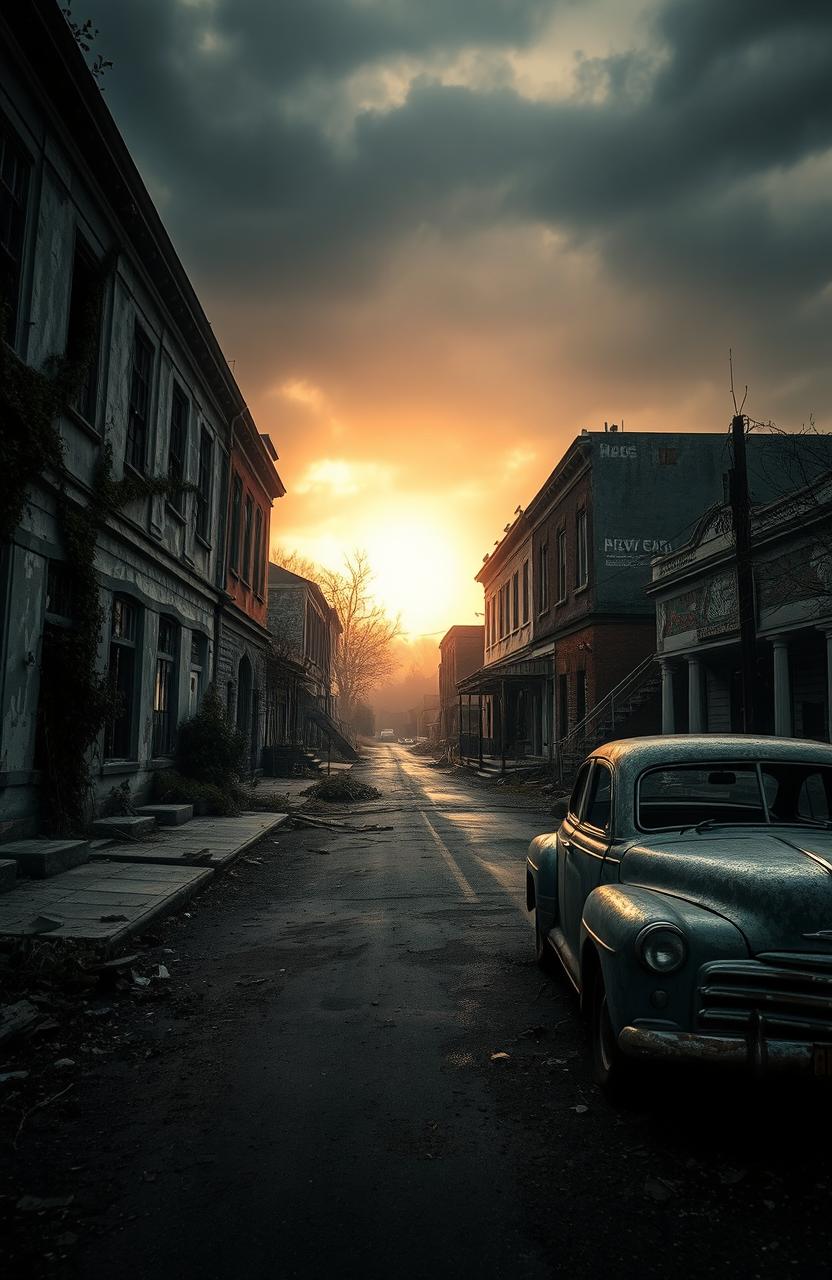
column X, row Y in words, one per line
column 775, row 889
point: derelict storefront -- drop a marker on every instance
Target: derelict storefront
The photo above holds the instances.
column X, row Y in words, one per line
column 507, row 706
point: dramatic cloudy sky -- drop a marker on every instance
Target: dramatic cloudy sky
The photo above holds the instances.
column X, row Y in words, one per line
column 438, row 237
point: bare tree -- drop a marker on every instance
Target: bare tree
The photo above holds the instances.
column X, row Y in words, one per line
column 366, row 654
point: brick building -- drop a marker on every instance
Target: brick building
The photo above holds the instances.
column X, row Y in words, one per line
column 461, row 654
column 569, row 630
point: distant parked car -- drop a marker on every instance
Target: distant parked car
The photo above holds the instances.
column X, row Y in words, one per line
column 688, row 896
column 388, row 735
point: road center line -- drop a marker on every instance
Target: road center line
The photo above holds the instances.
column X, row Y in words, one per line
column 449, row 860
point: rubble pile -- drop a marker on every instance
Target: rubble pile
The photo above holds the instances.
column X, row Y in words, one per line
column 342, row 789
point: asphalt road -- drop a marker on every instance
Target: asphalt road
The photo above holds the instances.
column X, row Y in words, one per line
column 313, row 1093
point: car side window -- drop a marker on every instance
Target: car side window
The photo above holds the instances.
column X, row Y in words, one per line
column 598, row 810
column 812, row 801
column 578, row 791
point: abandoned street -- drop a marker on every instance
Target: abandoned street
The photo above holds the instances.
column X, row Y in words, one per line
column 313, row 1090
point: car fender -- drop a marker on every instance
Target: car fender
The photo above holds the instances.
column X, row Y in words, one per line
column 542, row 877
column 614, row 916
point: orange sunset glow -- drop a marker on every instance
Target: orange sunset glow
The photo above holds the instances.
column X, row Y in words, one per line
column 436, row 250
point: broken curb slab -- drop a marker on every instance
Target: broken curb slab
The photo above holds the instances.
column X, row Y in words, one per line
column 101, row 904
column 167, row 815
column 131, row 826
column 42, row 859
column 213, row 842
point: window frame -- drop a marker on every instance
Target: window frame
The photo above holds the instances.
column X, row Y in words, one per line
column 563, row 578
column 14, row 213
column 248, row 528
column 132, row 644
column 543, row 582
column 163, row 742
column 141, row 390
column 84, row 256
column 177, row 459
column 592, row 786
column 234, row 526
column 581, row 549
column 204, row 486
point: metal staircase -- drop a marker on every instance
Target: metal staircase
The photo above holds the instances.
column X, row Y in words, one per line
column 624, row 711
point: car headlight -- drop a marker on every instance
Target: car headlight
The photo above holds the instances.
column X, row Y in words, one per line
column 662, row 948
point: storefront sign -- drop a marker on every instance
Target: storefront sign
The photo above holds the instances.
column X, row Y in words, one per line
column 620, row 552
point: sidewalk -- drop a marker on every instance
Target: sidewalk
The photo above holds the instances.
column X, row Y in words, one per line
column 127, row 886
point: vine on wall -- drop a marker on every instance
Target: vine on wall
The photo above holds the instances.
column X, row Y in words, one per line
column 75, row 701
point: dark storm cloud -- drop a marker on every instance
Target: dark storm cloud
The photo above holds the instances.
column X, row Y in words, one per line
column 662, row 176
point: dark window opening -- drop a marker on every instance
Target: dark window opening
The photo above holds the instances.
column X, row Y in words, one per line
column 139, row 408
column 203, row 484
column 83, row 338
column 234, row 537
column 14, row 190
column 543, row 579
column 525, row 591
column 177, row 447
column 118, row 735
column 667, row 457
column 164, row 689
column 60, row 601
column 258, row 552
column 249, row 515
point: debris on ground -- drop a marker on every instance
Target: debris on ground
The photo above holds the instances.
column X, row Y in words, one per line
column 17, row 1018
column 501, row 1057
column 306, row 820
column 342, row 790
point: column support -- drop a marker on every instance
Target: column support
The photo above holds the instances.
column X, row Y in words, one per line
column 695, row 724
column 668, row 713
column 782, row 688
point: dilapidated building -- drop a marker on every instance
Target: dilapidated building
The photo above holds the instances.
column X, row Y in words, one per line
column 87, row 262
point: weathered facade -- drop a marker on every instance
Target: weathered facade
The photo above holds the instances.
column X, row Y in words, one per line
column 461, row 654
column 158, row 395
column 568, row 623
column 697, row 621
column 304, row 631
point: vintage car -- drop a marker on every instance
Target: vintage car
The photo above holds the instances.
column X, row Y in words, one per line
column 688, row 896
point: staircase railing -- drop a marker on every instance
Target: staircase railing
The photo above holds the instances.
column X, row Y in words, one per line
column 602, row 711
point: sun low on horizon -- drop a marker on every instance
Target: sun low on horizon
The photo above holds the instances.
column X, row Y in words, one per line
column 436, row 241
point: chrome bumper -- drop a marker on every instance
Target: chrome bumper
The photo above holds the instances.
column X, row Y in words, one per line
column 684, row 1046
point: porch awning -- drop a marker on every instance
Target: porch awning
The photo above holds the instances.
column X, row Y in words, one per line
column 489, row 679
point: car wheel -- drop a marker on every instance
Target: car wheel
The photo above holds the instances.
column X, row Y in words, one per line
column 543, row 953
column 610, row 1068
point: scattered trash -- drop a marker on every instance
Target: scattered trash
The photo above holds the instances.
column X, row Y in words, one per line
column 659, row 1189
column 162, row 972
column 580, row 1109
column 37, row 1204
column 138, row 980
column 62, row 1063
column 13, row 1075
column 501, row 1057
column 255, row 862
column 115, row 919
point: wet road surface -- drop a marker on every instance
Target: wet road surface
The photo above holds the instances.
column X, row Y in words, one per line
column 312, row 1093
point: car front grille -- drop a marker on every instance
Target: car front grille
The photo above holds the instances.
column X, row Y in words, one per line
column 790, row 1000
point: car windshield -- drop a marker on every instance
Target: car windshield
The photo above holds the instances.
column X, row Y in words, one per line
column 726, row 793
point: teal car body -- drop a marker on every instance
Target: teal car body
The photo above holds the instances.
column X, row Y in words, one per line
column 688, row 896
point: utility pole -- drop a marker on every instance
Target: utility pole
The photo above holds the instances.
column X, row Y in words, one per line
column 741, row 516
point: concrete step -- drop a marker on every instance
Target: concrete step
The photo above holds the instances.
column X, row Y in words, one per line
column 41, row 859
column 8, row 874
column 130, row 826
column 167, row 815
